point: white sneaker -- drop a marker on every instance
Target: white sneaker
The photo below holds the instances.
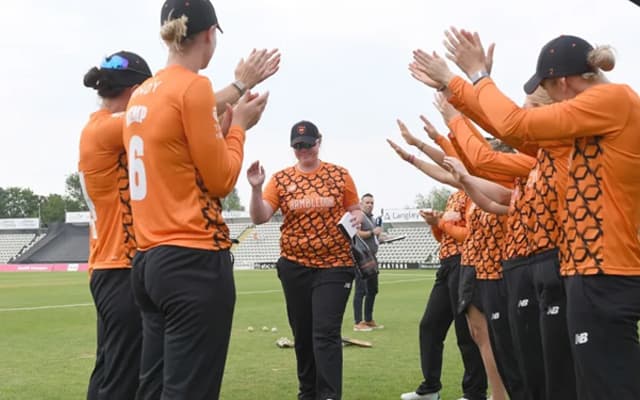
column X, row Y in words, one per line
column 416, row 396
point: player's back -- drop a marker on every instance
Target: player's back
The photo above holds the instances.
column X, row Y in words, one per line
column 171, row 203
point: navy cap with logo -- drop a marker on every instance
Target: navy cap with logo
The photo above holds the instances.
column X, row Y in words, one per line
column 304, row 132
column 200, row 14
column 563, row 56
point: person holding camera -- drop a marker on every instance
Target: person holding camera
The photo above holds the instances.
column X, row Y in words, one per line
column 316, row 267
column 366, row 289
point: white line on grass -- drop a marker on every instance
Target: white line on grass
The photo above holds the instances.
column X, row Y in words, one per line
column 60, row 306
column 407, row 280
column 46, row 307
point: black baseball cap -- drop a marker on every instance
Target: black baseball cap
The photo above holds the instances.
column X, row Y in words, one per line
column 122, row 69
column 200, row 14
column 126, row 61
column 304, row 132
column 563, row 56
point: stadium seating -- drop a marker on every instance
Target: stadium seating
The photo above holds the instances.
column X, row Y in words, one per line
column 260, row 244
column 12, row 244
column 237, row 228
column 419, row 246
column 257, row 247
column 63, row 243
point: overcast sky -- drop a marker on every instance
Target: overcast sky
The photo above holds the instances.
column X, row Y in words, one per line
column 344, row 67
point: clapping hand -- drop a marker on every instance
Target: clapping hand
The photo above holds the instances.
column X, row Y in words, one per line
column 465, row 49
column 456, row 167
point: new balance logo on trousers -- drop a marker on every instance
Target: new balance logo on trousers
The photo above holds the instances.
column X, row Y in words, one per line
column 553, row 310
column 582, row 338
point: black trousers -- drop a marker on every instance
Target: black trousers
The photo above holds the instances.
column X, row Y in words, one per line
column 187, row 297
column 119, row 336
column 494, row 304
column 468, row 290
column 538, row 320
column 439, row 313
column 603, row 313
column 366, row 289
column 524, row 321
column 316, row 299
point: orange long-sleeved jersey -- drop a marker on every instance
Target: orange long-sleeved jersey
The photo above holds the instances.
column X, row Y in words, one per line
column 480, row 225
column 103, row 175
column 496, row 165
column 473, row 243
column 464, row 99
column 602, row 220
column 453, row 233
column 312, row 205
column 180, row 163
column 547, row 180
column 451, row 148
column 501, row 168
column 483, row 158
column 482, row 248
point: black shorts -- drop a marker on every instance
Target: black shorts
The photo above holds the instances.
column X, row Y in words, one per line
column 468, row 291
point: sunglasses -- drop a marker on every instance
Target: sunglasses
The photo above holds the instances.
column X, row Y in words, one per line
column 302, row 145
column 119, row 63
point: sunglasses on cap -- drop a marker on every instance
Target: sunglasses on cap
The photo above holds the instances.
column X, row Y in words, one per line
column 302, row 145
column 118, row 63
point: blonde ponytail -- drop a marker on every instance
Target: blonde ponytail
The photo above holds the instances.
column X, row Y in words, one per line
column 602, row 57
column 174, row 32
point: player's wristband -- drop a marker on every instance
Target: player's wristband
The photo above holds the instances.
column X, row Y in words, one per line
column 478, row 76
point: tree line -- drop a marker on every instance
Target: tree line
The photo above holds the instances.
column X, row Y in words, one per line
column 20, row 202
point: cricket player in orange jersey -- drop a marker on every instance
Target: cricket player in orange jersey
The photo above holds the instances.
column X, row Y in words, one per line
column 470, row 299
column 104, row 178
column 534, row 288
column 601, row 223
column 316, row 265
column 182, row 162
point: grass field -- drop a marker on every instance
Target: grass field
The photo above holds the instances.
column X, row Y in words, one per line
column 47, row 351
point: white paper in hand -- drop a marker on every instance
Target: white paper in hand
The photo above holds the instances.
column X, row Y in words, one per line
column 346, row 226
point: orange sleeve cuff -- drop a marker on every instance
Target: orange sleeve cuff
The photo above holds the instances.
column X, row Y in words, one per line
column 459, row 233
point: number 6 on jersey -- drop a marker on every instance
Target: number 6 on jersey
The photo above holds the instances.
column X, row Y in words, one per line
column 137, row 175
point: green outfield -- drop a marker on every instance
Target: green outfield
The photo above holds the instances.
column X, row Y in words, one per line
column 47, row 340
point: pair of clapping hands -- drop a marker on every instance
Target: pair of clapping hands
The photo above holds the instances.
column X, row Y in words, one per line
column 258, row 66
column 433, row 217
column 464, row 48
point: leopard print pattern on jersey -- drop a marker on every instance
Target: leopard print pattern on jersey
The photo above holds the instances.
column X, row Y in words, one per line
column 516, row 243
column 312, row 205
column 545, row 228
column 490, row 264
column 583, row 213
column 125, row 204
column 211, row 209
column 449, row 246
column 473, row 244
